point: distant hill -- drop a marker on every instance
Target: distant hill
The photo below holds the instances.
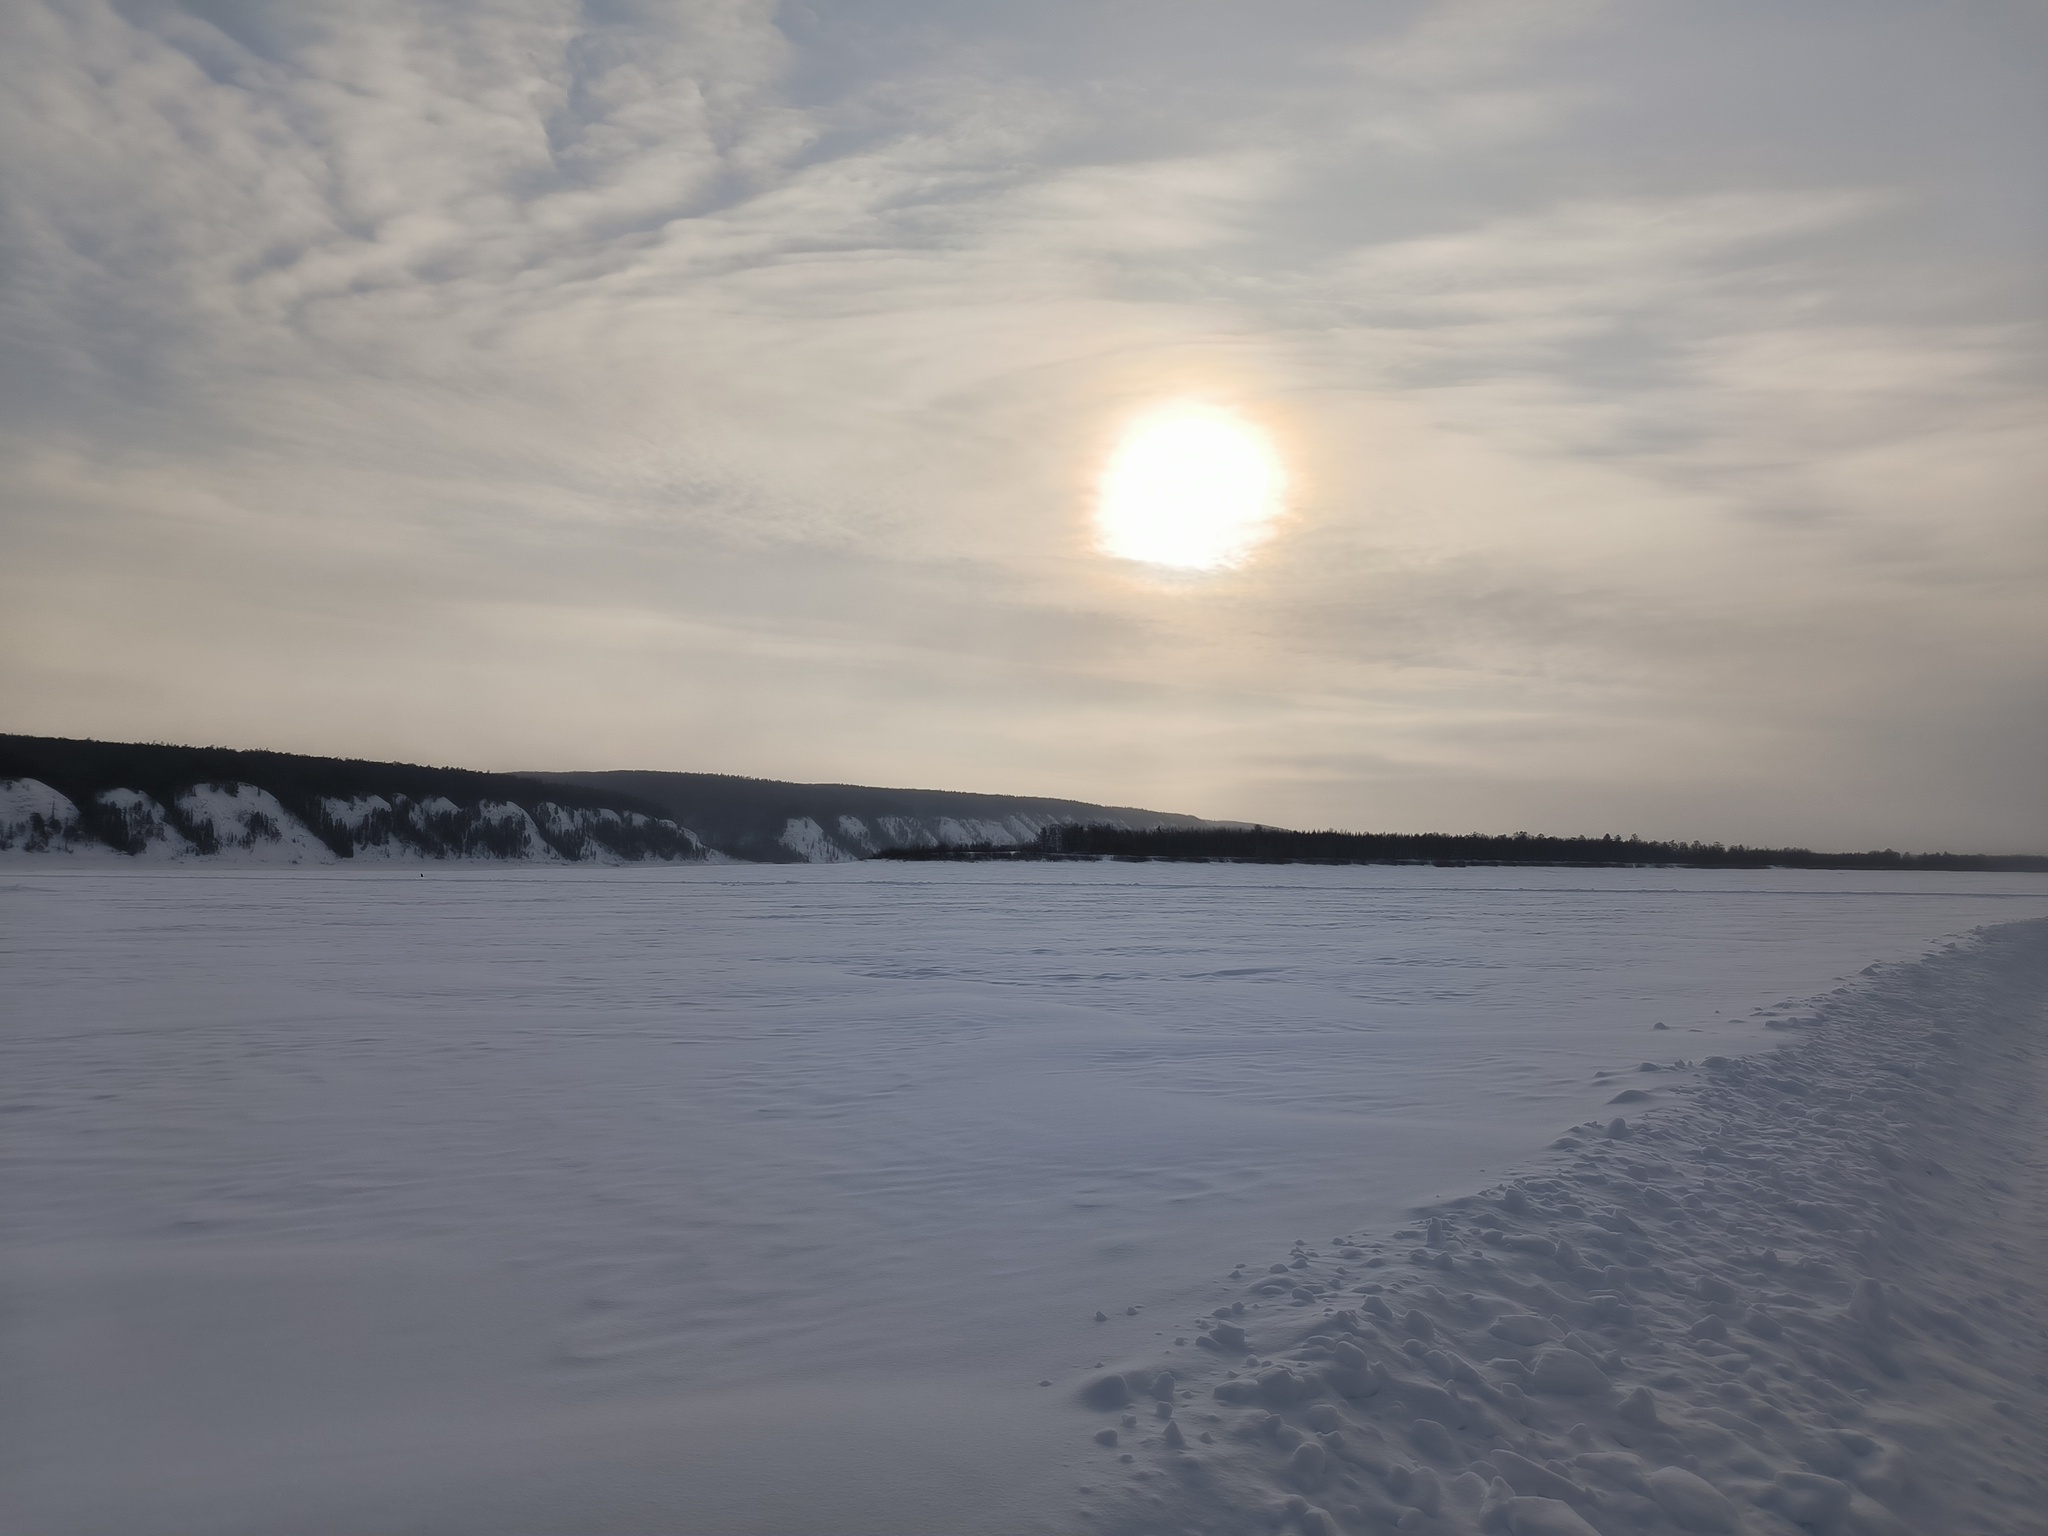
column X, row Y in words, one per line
column 154, row 801
column 773, row 821
column 149, row 801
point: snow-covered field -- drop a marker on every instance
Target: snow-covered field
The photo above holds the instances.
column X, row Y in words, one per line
column 763, row 1199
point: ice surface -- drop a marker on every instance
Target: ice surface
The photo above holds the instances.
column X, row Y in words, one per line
column 745, row 1199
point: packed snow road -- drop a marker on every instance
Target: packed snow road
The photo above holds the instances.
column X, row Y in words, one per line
column 758, row 1199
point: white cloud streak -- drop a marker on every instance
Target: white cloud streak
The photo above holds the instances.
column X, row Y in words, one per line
column 714, row 385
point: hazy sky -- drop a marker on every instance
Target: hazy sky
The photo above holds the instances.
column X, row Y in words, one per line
column 723, row 385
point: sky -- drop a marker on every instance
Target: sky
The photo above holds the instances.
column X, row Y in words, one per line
column 1658, row 387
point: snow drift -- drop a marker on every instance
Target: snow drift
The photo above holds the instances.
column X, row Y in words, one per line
column 1805, row 1301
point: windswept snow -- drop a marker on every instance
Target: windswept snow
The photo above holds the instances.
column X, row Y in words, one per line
column 761, row 1199
column 1801, row 1294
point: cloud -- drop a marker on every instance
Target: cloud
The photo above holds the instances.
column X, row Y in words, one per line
column 740, row 372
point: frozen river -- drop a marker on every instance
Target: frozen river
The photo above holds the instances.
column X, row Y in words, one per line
column 760, row 1199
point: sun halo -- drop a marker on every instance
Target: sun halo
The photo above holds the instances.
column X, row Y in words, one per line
column 1189, row 488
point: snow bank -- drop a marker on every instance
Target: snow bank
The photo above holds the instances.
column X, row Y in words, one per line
column 1805, row 1298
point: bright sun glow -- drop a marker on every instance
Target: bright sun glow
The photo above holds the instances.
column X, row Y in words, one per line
column 1190, row 487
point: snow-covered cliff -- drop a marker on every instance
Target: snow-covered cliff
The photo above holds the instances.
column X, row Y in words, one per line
column 246, row 824
column 145, row 802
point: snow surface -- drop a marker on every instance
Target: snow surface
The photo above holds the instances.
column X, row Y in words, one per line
column 368, row 819
column 21, row 799
column 250, row 825
column 906, row 832
column 531, row 845
column 1802, row 1296
column 352, row 813
column 147, row 822
column 961, row 833
column 761, row 1198
column 36, row 818
column 805, row 838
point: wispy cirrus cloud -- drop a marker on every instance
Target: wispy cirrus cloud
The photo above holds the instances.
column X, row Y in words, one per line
column 738, row 368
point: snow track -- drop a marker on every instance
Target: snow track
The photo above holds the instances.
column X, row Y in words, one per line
column 1808, row 1300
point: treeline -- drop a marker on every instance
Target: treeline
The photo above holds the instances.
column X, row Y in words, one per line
column 1272, row 845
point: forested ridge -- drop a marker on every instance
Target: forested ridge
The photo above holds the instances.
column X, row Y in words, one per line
column 1274, row 845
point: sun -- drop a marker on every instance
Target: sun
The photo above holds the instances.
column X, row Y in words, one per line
column 1189, row 487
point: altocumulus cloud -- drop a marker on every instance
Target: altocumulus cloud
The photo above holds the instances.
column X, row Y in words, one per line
column 721, row 385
